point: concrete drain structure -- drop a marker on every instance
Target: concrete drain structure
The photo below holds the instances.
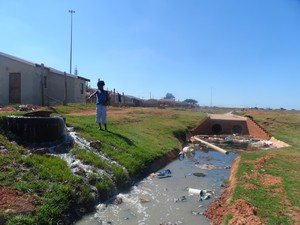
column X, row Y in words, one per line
column 228, row 124
column 37, row 126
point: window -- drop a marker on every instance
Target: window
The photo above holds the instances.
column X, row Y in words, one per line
column 81, row 88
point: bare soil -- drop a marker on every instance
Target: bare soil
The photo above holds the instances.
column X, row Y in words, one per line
column 121, row 111
column 13, row 201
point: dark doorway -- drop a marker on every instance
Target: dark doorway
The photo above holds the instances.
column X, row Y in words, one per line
column 14, row 88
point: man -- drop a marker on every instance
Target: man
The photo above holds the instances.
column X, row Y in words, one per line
column 101, row 103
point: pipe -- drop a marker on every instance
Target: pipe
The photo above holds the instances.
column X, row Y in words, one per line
column 212, row 145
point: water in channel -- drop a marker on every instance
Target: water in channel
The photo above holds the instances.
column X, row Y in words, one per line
column 155, row 201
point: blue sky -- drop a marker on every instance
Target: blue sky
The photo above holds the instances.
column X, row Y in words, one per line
column 222, row 52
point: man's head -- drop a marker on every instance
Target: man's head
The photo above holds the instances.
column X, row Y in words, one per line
column 100, row 84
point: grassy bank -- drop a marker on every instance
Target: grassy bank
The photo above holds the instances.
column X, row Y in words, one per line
column 270, row 179
column 136, row 137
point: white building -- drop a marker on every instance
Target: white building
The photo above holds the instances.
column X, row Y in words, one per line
column 24, row 82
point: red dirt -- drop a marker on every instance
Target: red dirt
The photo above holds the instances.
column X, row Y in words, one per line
column 120, row 111
column 13, row 201
column 93, row 112
column 7, row 109
column 269, row 180
column 243, row 213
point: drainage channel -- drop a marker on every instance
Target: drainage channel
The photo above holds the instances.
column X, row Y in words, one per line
column 171, row 200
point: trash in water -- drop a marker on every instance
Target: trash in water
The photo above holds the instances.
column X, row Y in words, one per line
column 206, row 166
column 180, row 199
column 228, row 139
column 203, row 194
column 181, row 156
column 117, row 201
column 196, row 213
column 188, row 149
column 199, row 174
column 193, row 191
column 164, row 173
column 144, row 200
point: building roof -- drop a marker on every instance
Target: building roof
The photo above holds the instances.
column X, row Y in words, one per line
column 17, row 59
column 39, row 65
column 226, row 117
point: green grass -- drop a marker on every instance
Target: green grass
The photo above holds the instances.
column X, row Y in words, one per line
column 285, row 163
column 46, row 177
column 135, row 139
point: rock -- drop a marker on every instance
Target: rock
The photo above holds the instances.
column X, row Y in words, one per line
column 60, row 149
column 144, row 200
column 95, row 144
column 196, row 213
column 10, row 211
column 180, row 199
column 4, row 151
column 39, row 151
column 117, row 201
column 199, row 174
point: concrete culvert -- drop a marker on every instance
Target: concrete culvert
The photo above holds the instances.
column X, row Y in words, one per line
column 216, row 129
column 237, row 129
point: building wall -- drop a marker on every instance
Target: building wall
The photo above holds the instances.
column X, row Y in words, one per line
column 78, row 96
column 4, row 82
column 30, row 81
column 56, row 89
column 54, row 93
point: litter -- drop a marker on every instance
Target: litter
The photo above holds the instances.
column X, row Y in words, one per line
column 180, row 199
column 228, row 139
column 165, row 173
column 198, row 174
column 188, row 149
column 203, row 194
column 194, row 191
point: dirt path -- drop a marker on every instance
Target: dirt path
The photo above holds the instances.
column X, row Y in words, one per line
column 93, row 112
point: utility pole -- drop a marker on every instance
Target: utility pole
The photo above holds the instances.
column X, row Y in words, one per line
column 211, row 97
column 65, row 90
column 71, row 11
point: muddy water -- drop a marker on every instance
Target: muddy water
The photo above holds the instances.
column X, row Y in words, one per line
column 155, row 201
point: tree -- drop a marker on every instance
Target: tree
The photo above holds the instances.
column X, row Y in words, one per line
column 170, row 96
column 191, row 101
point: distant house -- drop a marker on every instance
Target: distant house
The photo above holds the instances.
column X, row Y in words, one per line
column 24, row 82
column 130, row 100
